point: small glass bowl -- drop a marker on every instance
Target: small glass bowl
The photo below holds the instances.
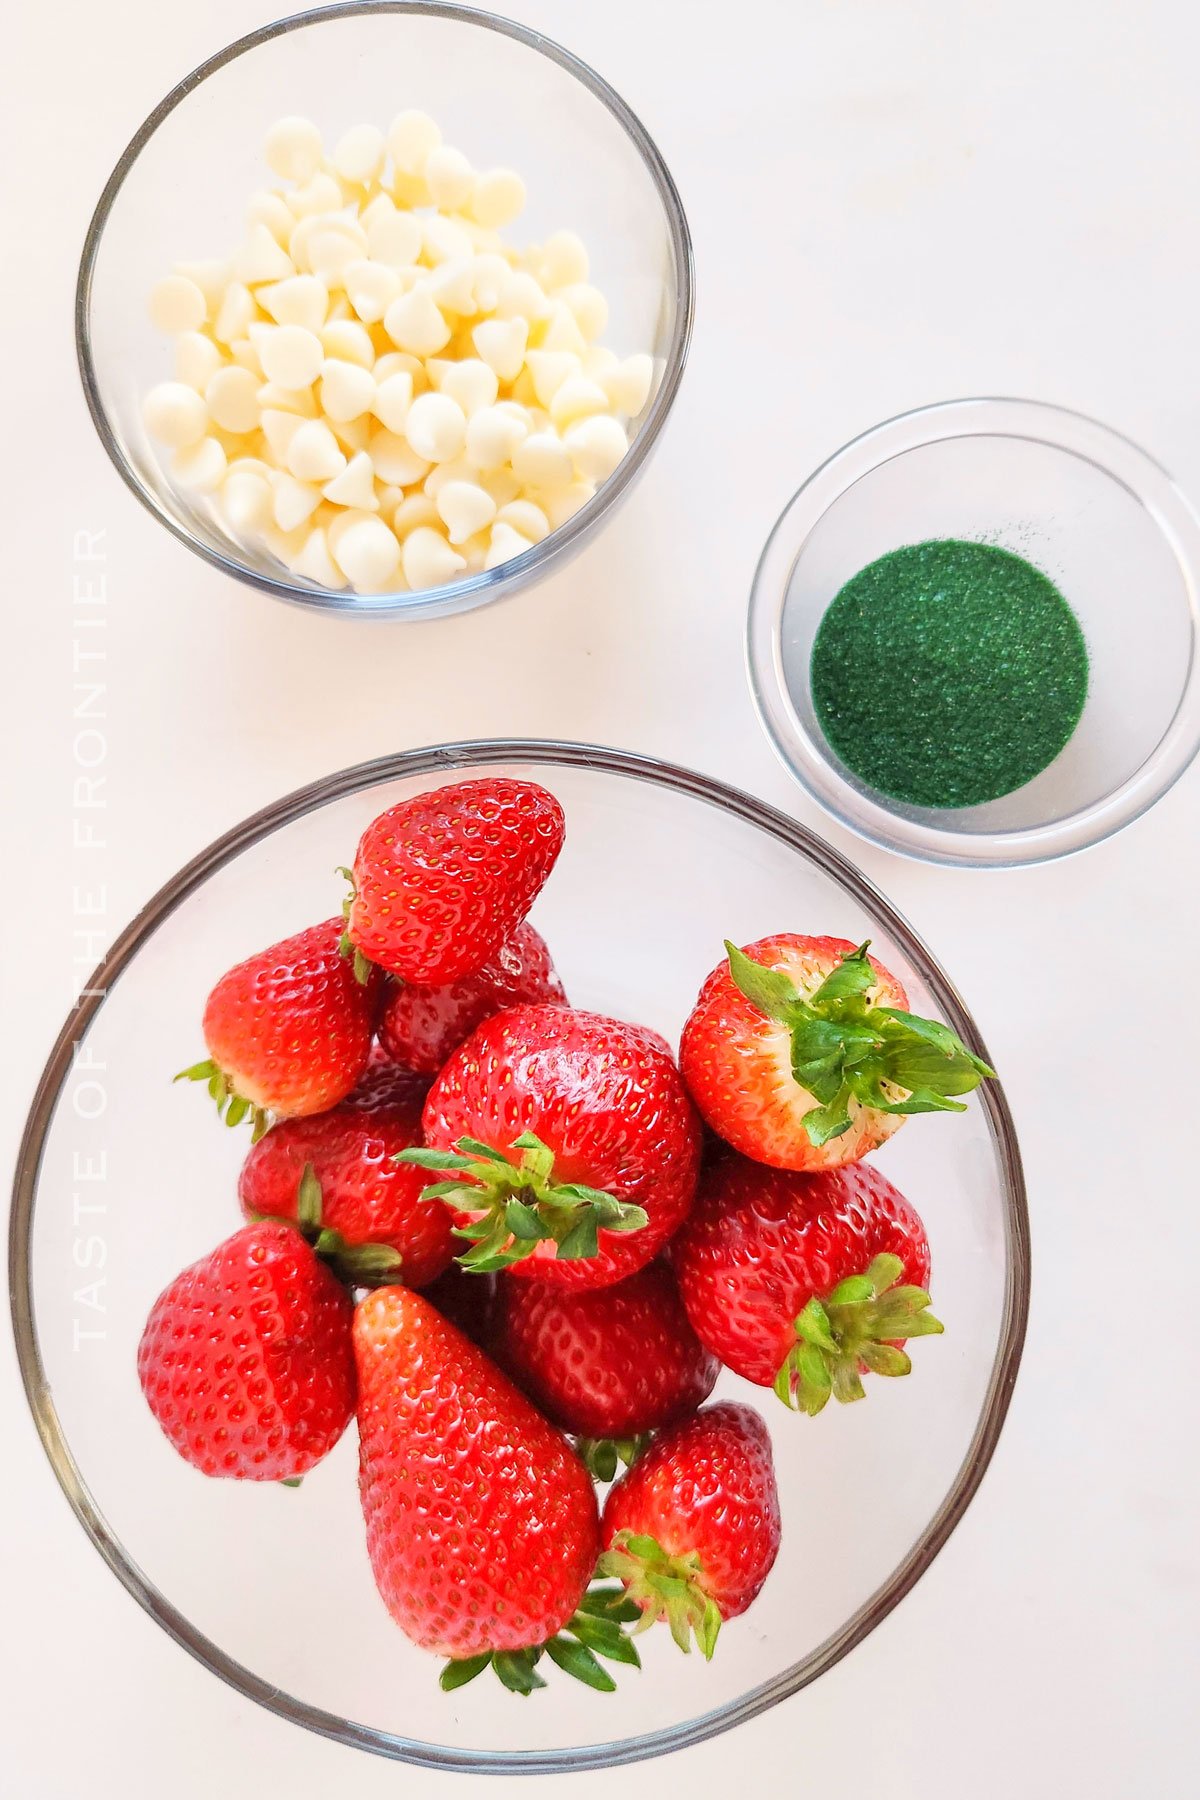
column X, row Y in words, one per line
column 504, row 94
column 1090, row 509
column 123, row 1179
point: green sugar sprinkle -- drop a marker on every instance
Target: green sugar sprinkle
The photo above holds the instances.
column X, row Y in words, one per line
column 948, row 673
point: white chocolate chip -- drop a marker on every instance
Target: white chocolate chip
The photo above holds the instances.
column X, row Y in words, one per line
column 628, row 384
column 300, row 300
column 346, row 340
column 368, row 555
column 502, row 485
column 313, row 453
column 410, row 138
column 175, row 414
column 291, row 356
column 493, row 434
column 197, row 359
column 414, row 510
column 272, row 210
column 436, row 427
column 301, row 401
column 235, row 314
column 177, row 304
column 542, row 460
column 428, row 559
column 232, row 399
column 452, row 285
column 501, row 343
column 523, row 298
column 497, row 198
column 244, row 354
column 471, row 383
column 526, row 518
column 505, row 544
column 245, row 501
column 201, row 466
column 564, row 260
column 371, row 287
column 392, row 399
column 315, row 563
column 347, row 389
column 577, row 398
column 465, row 508
column 395, row 460
column 414, row 323
column 294, row 148
column 492, row 274
column 351, row 434
column 589, row 307
column 450, row 176
column 596, row 446
column 261, row 258
column 279, row 428
column 319, row 196
column 211, row 277
column 562, row 503
column 394, row 238
column 444, row 241
column 293, row 501
column 548, row 370
column 561, row 331
column 355, row 486
column 359, row 154
column 333, row 245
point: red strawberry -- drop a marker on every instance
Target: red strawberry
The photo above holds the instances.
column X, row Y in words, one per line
column 288, row 1031
column 384, row 1085
column 443, row 879
column 468, row 1301
column 800, row 1053
column 792, row 1279
column 693, row 1529
column 421, row 1026
column 246, row 1359
column 607, row 1145
column 481, row 1521
column 364, row 1197
column 611, row 1363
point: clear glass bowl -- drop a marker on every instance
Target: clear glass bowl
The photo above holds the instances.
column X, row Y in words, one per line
column 504, row 94
column 271, row 1589
column 1108, row 526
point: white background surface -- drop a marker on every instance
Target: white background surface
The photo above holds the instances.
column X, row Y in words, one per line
column 891, row 204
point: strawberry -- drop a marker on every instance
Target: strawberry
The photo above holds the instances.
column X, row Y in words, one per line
column 614, row 1362
column 804, row 1281
column 343, row 1163
column 693, row 1529
column 468, row 1301
column 444, row 879
column 422, row 1025
column 246, row 1358
column 481, row 1521
column 799, row 1052
column 288, row 1031
column 384, row 1085
column 567, row 1142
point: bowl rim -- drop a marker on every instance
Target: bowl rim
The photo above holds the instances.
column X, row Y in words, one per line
column 453, row 760
column 489, row 585
column 804, row 755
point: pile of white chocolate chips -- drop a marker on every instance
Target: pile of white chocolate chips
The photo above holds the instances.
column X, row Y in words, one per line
column 376, row 388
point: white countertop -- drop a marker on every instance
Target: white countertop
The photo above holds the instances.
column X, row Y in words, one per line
column 891, row 205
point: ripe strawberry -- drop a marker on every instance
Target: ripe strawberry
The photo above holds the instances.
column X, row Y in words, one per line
column 288, row 1031
column 443, row 879
column 468, row 1301
column 693, row 1529
column 611, row 1363
column 607, row 1145
column 364, row 1196
column 246, row 1358
column 421, row 1026
column 800, row 1053
column 481, row 1521
column 792, row 1279
column 384, row 1085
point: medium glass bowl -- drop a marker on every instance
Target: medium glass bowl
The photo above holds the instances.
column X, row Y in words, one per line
column 504, row 94
column 1085, row 505
column 124, row 1179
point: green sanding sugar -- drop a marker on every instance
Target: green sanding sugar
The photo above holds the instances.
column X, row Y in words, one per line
column 949, row 673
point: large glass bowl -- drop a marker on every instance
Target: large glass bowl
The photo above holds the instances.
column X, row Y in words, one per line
column 507, row 96
column 1096, row 514
column 124, row 1179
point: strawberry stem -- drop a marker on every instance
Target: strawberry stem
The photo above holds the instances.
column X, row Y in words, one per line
column 845, row 1049
column 859, row 1324
column 357, row 1265
column 596, row 1629
column 518, row 1204
column 663, row 1586
column 231, row 1106
column 601, row 1457
column 346, row 945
